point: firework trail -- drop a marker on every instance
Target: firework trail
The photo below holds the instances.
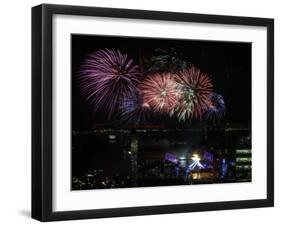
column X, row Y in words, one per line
column 134, row 111
column 216, row 109
column 106, row 77
column 196, row 89
column 160, row 92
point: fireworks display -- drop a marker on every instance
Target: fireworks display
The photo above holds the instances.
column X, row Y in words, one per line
column 134, row 111
column 112, row 83
column 196, row 88
column 216, row 109
column 166, row 60
column 106, row 77
column 160, row 92
column 150, row 112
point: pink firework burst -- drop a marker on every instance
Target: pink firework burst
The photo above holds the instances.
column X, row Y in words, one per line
column 106, row 77
column 160, row 92
column 196, row 88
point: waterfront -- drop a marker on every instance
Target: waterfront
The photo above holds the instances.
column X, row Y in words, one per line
column 159, row 112
column 159, row 157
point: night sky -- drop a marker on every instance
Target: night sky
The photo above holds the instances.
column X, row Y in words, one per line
column 228, row 64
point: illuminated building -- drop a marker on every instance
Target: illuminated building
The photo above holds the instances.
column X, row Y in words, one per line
column 243, row 163
column 134, row 157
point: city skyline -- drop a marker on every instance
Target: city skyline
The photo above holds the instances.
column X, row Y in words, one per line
column 159, row 112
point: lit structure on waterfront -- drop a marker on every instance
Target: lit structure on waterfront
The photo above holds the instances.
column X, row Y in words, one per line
column 196, row 163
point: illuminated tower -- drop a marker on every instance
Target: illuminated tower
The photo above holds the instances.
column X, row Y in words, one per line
column 134, row 158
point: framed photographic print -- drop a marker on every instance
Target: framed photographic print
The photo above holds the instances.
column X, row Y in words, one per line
column 145, row 112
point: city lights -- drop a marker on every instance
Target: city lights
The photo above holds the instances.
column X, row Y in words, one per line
column 158, row 112
column 196, row 162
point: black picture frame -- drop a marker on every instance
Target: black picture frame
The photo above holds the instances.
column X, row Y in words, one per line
column 42, row 111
